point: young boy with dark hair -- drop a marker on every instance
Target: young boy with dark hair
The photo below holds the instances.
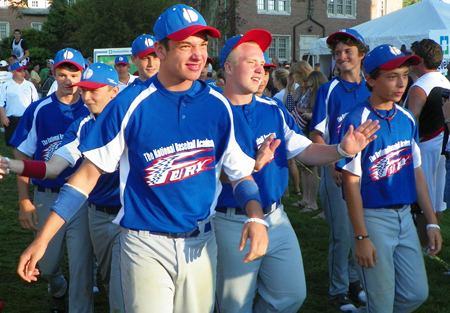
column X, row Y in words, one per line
column 333, row 101
column 380, row 183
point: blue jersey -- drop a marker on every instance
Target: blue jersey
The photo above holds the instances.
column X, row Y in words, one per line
column 265, row 117
column 172, row 147
column 106, row 191
column 333, row 101
column 212, row 84
column 386, row 166
column 41, row 131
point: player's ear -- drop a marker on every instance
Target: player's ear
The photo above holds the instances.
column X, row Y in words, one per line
column 369, row 80
column 160, row 50
column 228, row 68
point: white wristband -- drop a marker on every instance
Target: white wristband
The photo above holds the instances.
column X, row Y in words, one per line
column 342, row 153
column 433, row 226
column 257, row 220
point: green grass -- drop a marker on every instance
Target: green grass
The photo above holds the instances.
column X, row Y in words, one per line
column 21, row 297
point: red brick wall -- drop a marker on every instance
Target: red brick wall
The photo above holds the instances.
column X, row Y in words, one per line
column 6, row 15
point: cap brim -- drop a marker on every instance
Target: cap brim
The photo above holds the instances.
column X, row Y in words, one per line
column 269, row 65
column 210, row 60
column 192, row 30
column 89, row 85
column 262, row 37
column 331, row 37
column 20, row 68
column 122, row 63
column 395, row 63
column 81, row 68
column 145, row 52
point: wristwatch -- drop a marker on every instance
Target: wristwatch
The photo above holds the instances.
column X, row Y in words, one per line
column 360, row 237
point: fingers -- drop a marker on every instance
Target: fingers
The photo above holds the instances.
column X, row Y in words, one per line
column 435, row 244
column 275, row 145
column 368, row 128
column 27, row 268
column 257, row 233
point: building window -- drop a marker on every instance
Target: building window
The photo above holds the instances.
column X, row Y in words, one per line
column 280, row 47
column 37, row 26
column 273, row 6
column 35, row 4
column 341, row 8
column 4, row 30
column 4, row 3
column 380, row 8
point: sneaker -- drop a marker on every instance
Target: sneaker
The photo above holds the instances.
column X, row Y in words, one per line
column 357, row 293
column 342, row 303
column 58, row 305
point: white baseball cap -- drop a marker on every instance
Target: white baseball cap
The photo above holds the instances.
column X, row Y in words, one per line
column 3, row 63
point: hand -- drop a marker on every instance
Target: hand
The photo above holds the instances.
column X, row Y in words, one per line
column 5, row 166
column 27, row 263
column 356, row 140
column 446, row 108
column 265, row 153
column 307, row 116
column 258, row 240
column 5, row 121
column 27, row 215
column 435, row 237
column 365, row 253
column 337, row 176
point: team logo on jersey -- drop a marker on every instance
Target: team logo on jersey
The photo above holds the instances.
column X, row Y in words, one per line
column 190, row 15
column 172, row 168
column 47, row 153
column 68, row 55
column 259, row 142
column 389, row 164
column 88, row 73
column 339, row 120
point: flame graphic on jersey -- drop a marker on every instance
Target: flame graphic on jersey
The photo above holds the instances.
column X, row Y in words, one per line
column 47, row 153
column 169, row 169
column 389, row 164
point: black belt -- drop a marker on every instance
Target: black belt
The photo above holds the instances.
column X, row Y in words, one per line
column 447, row 155
column 190, row 234
column 111, row 210
column 52, row 190
column 238, row 211
column 396, row 207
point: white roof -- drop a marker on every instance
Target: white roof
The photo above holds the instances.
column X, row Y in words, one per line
column 404, row 26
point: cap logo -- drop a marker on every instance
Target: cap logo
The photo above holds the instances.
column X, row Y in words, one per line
column 395, row 50
column 342, row 31
column 88, row 73
column 190, row 15
column 148, row 42
column 68, row 55
column 120, row 59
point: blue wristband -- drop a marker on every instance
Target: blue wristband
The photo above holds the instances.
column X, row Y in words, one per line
column 69, row 201
column 245, row 191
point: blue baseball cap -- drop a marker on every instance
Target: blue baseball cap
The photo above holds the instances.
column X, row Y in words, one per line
column 349, row 32
column 143, row 46
column 121, row 59
column 267, row 62
column 262, row 37
column 387, row 57
column 179, row 22
column 71, row 56
column 98, row 75
column 16, row 66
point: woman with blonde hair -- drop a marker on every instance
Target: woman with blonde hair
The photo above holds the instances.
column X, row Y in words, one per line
column 299, row 72
column 302, row 114
column 279, row 78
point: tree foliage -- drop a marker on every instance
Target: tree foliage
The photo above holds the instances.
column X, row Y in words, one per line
column 409, row 2
column 108, row 24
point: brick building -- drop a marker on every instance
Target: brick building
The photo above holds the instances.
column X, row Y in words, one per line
column 33, row 17
column 295, row 24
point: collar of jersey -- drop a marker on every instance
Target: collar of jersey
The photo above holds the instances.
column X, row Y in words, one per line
column 195, row 93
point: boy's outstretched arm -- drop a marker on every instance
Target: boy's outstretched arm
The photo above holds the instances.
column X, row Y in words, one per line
column 365, row 251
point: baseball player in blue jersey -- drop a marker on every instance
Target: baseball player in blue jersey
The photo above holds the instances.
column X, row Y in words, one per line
column 278, row 275
column 380, row 183
column 122, row 66
column 169, row 174
column 99, row 84
column 333, row 101
column 38, row 136
column 144, row 58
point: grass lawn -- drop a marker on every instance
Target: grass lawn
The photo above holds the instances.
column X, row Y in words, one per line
column 21, row 297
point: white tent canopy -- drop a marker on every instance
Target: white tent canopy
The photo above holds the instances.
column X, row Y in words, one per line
column 404, row 26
